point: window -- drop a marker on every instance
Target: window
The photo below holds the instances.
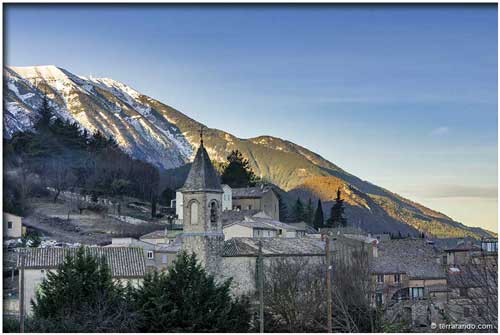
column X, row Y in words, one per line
column 480, row 311
column 194, row 213
column 380, row 278
column 466, row 311
column 249, row 207
column 445, row 259
column 463, row 291
column 151, row 255
column 378, row 299
column 9, row 224
column 164, row 259
column 397, row 278
column 417, row 292
column 213, row 211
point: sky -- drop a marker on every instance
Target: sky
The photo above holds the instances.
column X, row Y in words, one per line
column 402, row 96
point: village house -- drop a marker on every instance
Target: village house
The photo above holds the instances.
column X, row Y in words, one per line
column 227, row 198
column 158, row 256
column 473, row 282
column 261, row 198
column 409, row 281
column 127, row 265
column 13, row 226
column 261, row 225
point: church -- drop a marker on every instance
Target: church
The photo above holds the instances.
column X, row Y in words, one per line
column 203, row 232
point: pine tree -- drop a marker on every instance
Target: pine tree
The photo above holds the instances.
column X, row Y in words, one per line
column 319, row 219
column 237, row 172
column 187, row 299
column 46, row 114
column 81, row 297
column 298, row 211
column 337, row 218
column 98, row 141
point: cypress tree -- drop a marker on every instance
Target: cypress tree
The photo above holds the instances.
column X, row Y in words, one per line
column 298, row 211
column 319, row 219
column 309, row 212
column 337, row 218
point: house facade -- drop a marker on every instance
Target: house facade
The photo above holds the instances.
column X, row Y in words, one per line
column 260, row 198
column 12, row 226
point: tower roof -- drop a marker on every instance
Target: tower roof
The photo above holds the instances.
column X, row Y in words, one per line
column 202, row 176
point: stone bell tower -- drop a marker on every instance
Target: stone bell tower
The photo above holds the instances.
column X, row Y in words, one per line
column 202, row 204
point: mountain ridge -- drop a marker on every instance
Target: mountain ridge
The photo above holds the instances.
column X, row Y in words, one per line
column 150, row 130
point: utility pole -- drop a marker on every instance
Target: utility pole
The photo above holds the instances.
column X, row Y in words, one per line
column 328, row 283
column 260, row 267
column 21, row 292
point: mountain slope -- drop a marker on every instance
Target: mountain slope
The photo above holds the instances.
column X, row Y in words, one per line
column 152, row 131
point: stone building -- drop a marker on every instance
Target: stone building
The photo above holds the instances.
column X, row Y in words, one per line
column 202, row 208
column 260, row 198
column 240, row 256
column 409, row 282
column 127, row 265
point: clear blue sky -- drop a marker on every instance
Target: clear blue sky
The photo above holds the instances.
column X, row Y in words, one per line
column 405, row 97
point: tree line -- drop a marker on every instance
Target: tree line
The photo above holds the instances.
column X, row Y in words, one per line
column 315, row 217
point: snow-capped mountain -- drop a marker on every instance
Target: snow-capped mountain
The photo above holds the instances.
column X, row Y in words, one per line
column 95, row 104
column 154, row 132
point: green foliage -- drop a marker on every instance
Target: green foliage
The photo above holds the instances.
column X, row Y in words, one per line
column 337, row 218
column 10, row 325
column 237, row 172
column 31, row 239
column 319, row 219
column 81, row 297
column 166, row 196
column 187, row 299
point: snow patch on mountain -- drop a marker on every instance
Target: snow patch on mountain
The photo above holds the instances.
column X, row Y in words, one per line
column 138, row 129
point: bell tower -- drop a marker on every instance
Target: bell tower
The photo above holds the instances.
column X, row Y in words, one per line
column 202, row 208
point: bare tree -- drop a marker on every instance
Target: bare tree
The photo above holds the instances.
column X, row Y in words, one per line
column 60, row 176
column 294, row 294
column 352, row 289
column 477, row 286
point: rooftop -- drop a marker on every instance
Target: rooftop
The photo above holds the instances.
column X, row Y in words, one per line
column 250, row 192
column 202, row 176
column 123, row 261
column 247, row 246
column 414, row 257
column 264, row 222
